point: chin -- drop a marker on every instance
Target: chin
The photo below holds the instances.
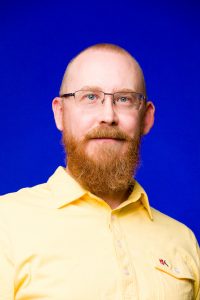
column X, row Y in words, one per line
column 104, row 151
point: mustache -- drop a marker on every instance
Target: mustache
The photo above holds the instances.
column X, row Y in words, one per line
column 107, row 132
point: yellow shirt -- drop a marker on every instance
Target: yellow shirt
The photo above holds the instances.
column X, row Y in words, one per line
column 60, row 242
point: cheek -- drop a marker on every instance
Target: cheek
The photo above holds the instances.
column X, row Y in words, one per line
column 77, row 123
column 130, row 124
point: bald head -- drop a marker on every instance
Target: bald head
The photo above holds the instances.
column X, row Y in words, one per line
column 107, row 56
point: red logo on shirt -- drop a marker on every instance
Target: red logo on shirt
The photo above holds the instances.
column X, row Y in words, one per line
column 163, row 262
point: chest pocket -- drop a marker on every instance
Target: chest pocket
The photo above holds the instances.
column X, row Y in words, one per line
column 174, row 278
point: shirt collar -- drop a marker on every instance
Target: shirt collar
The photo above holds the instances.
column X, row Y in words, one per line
column 139, row 193
column 65, row 190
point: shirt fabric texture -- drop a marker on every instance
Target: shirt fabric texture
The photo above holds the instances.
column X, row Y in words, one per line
column 60, row 242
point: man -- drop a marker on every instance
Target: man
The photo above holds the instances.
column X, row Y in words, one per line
column 89, row 232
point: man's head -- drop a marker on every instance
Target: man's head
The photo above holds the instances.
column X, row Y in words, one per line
column 102, row 139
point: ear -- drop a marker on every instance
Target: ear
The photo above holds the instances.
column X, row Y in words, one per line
column 148, row 117
column 57, row 106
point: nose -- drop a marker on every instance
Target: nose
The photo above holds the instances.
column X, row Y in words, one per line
column 107, row 113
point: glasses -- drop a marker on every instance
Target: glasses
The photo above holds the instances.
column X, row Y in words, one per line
column 93, row 99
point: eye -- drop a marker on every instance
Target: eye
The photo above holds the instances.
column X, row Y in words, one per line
column 123, row 99
column 91, row 96
column 88, row 97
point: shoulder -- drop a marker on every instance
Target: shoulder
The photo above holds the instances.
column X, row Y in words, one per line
column 24, row 198
column 170, row 226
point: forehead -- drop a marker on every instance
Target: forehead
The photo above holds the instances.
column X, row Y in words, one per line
column 106, row 69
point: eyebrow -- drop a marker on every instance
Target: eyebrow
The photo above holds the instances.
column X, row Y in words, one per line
column 97, row 88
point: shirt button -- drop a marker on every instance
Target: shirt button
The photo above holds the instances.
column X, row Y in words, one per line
column 126, row 271
column 113, row 217
column 119, row 244
column 177, row 270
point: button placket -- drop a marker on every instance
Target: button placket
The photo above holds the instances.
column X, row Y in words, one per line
column 124, row 261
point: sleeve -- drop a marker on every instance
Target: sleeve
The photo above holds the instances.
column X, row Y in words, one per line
column 198, row 296
column 198, row 285
column 6, row 264
column 196, row 267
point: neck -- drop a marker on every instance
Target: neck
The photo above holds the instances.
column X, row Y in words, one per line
column 114, row 199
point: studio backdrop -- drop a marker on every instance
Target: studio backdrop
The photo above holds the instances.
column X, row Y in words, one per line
column 37, row 39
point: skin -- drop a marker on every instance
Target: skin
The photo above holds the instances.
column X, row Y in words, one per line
column 107, row 71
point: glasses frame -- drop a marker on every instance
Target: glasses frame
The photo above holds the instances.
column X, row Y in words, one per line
column 140, row 95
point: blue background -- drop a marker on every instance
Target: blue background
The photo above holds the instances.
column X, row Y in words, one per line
column 38, row 38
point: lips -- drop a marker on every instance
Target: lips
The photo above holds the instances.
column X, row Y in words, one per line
column 107, row 138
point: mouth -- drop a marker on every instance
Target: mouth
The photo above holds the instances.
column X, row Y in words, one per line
column 107, row 139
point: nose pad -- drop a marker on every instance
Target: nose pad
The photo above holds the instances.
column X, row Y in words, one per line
column 113, row 101
column 108, row 113
column 110, row 96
